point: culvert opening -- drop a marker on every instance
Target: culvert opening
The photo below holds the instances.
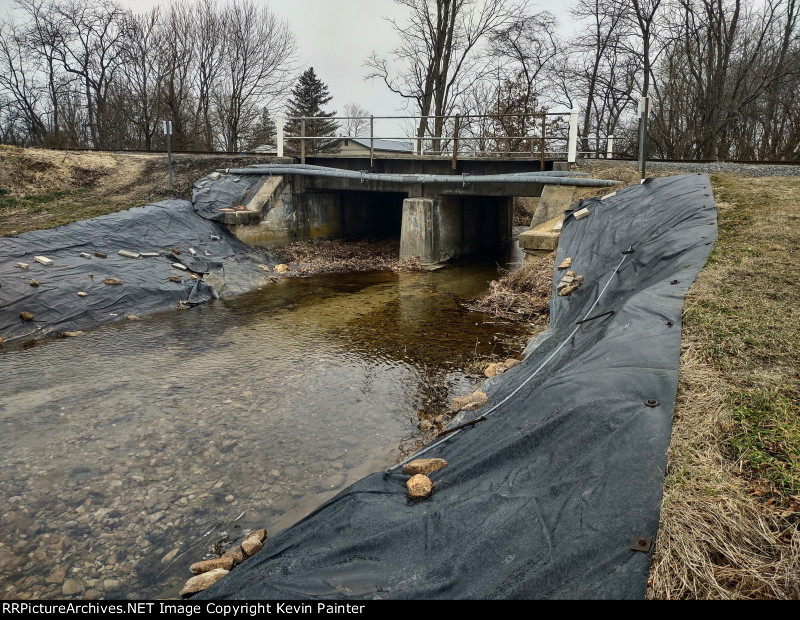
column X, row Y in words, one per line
column 371, row 215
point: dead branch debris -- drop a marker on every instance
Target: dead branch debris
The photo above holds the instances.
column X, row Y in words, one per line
column 319, row 256
column 521, row 295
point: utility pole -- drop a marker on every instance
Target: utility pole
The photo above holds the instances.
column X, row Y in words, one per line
column 644, row 112
column 168, row 134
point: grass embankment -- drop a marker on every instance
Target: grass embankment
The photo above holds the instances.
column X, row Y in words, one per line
column 730, row 519
column 44, row 189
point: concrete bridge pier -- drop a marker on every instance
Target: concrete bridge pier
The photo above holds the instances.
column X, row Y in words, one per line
column 438, row 229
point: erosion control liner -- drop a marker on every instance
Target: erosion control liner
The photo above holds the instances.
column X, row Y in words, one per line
column 88, row 282
column 556, row 493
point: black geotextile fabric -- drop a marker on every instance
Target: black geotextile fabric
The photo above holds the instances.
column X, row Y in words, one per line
column 160, row 227
column 213, row 192
column 544, row 498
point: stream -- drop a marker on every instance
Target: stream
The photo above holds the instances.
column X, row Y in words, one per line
column 128, row 452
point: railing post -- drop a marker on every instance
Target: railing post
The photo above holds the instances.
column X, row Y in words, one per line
column 280, row 121
column 572, row 146
column 371, row 140
column 543, row 144
column 303, row 141
column 456, row 123
column 609, row 147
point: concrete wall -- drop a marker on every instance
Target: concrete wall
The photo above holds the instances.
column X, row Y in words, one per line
column 436, row 230
column 291, row 213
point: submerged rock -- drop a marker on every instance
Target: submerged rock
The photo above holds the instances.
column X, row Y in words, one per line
column 72, row 586
column 58, row 575
column 468, row 403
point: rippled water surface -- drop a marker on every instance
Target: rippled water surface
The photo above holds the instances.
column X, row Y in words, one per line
column 127, row 452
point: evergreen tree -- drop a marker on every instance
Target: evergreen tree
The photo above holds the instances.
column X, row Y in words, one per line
column 309, row 95
column 263, row 132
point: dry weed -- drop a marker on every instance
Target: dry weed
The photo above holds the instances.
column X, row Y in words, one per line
column 523, row 294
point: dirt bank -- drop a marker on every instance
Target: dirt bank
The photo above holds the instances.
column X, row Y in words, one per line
column 44, row 189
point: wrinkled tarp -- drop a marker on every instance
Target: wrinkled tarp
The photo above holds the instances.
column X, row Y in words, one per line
column 160, row 227
column 545, row 497
column 213, row 192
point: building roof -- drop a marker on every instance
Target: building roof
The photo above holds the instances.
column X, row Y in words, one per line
column 384, row 145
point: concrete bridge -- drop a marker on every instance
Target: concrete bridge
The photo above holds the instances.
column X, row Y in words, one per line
column 438, row 222
column 441, row 204
column 436, row 216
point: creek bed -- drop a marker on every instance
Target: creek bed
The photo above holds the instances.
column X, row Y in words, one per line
column 126, row 452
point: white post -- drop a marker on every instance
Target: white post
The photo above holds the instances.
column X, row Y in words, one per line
column 572, row 148
column 609, row 147
column 280, row 121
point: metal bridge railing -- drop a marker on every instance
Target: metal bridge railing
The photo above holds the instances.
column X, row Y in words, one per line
column 463, row 136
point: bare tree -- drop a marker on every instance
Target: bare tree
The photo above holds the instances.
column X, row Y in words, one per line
column 643, row 15
column 209, row 40
column 260, row 58
column 143, row 74
column 598, row 50
column 355, row 127
column 178, row 55
column 524, row 51
column 439, row 58
column 781, row 91
column 20, row 84
column 90, row 47
column 42, row 39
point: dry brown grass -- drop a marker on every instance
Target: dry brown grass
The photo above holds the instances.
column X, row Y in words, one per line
column 523, row 294
column 730, row 518
column 717, row 539
column 41, row 188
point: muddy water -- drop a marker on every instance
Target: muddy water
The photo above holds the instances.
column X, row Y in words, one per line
column 126, row 453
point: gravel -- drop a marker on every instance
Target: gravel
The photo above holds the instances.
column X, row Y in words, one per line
column 752, row 170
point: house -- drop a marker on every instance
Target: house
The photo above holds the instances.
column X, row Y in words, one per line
column 360, row 146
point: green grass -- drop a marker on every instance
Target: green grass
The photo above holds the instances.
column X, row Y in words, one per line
column 745, row 316
column 45, row 200
column 765, row 435
column 50, row 209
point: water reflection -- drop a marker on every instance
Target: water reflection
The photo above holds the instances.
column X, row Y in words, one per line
column 127, row 451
